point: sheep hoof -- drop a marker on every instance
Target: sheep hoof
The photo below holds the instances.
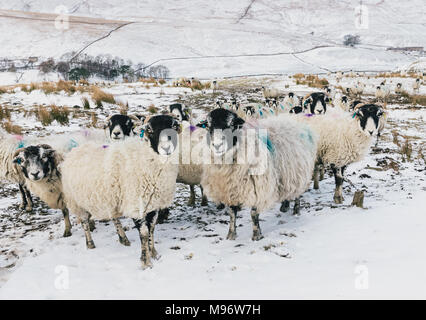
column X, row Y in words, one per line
column 155, row 255
column 191, row 202
column 338, row 199
column 146, row 264
column 67, row 233
column 90, row 245
column 285, row 205
column 124, row 241
column 204, row 202
column 92, row 225
column 231, row 235
column 257, row 237
column 28, row 208
column 220, row 206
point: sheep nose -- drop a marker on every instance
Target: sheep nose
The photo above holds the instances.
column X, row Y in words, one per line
column 319, row 111
column 35, row 174
column 217, row 146
column 166, row 149
column 370, row 132
column 116, row 134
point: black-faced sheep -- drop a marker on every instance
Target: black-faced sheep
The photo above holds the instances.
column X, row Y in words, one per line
column 416, row 85
column 281, row 171
column 315, row 103
column 133, row 179
column 9, row 170
column 343, row 139
column 121, row 126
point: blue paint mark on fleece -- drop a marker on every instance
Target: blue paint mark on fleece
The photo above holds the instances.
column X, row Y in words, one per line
column 307, row 135
column 72, row 144
column 21, row 144
column 265, row 139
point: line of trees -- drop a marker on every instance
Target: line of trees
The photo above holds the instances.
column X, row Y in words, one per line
column 101, row 66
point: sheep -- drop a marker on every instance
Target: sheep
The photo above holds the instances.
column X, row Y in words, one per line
column 342, row 102
column 315, row 103
column 9, row 171
column 189, row 173
column 398, row 88
column 269, row 93
column 382, row 92
column 121, row 126
column 38, row 164
column 133, row 179
column 343, row 140
column 281, row 172
column 290, row 101
column 416, row 85
column 180, row 112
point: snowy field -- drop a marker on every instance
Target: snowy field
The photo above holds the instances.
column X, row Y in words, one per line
column 328, row 251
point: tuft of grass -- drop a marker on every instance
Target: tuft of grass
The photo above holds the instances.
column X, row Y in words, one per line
column 60, row 114
column 93, row 119
column 100, row 96
column 124, row 107
column 48, row 87
column 12, row 128
column 43, row 115
column 4, row 113
column 152, row 109
column 161, row 81
column 85, row 103
column 67, row 86
column 3, row 90
column 406, row 151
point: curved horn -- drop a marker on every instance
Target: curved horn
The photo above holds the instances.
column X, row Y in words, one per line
column 17, row 152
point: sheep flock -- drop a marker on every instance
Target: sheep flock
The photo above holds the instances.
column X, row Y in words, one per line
column 242, row 154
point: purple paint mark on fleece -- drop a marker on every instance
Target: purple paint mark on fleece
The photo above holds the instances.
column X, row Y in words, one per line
column 192, row 128
column 309, row 115
column 105, row 146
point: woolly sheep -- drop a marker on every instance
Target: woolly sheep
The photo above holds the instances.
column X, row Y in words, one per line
column 8, row 170
column 121, row 126
column 269, row 93
column 281, row 172
column 38, row 164
column 133, row 179
column 343, row 139
column 416, row 85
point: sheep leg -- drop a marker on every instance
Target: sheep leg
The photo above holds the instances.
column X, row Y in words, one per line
column 23, row 197
column 257, row 233
column 29, row 206
column 338, row 177
column 316, row 176
column 92, row 225
column 232, row 233
column 296, row 208
column 152, row 219
column 120, row 232
column 322, row 172
column 191, row 201
column 285, row 205
column 67, row 221
column 163, row 214
column 143, row 228
column 86, row 227
column 203, row 197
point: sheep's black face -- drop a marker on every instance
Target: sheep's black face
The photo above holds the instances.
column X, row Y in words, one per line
column 223, row 126
column 120, row 126
column 36, row 162
column 162, row 133
column 368, row 116
column 249, row 110
column 316, row 103
column 345, row 99
column 177, row 110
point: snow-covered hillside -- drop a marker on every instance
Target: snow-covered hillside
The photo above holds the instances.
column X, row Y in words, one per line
column 220, row 38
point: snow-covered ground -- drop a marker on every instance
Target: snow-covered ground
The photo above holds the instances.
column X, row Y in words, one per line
column 329, row 251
